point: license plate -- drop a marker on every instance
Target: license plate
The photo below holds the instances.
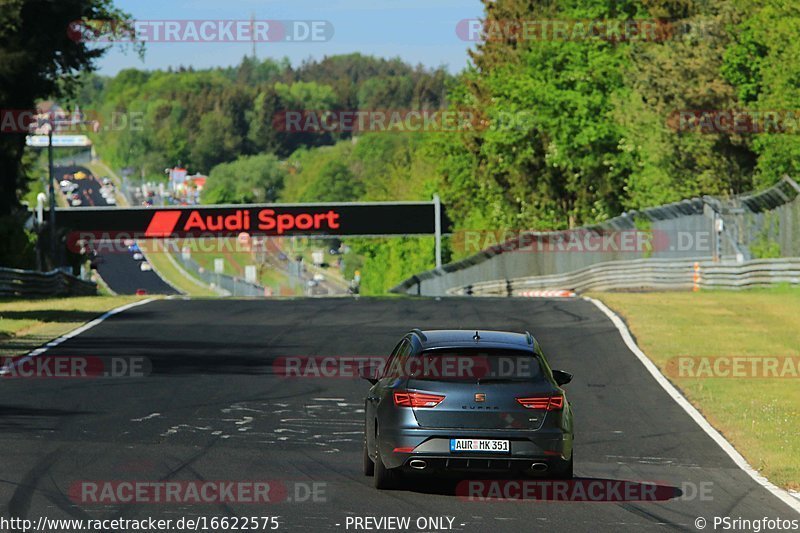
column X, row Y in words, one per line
column 480, row 445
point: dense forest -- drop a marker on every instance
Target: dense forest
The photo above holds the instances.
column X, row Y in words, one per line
column 593, row 131
column 207, row 117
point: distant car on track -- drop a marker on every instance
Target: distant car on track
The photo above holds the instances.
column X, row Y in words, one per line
column 144, row 266
column 138, row 256
column 500, row 407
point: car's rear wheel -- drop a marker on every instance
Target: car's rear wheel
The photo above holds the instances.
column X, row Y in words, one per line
column 369, row 466
column 565, row 471
column 385, row 478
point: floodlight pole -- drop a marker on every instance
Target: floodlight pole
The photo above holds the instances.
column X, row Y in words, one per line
column 437, row 214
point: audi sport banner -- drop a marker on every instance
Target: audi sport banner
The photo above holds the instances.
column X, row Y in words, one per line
column 368, row 219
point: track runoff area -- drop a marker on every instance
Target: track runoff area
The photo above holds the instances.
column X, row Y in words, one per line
column 204, row 427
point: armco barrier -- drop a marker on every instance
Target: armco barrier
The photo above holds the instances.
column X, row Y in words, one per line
column 652, row 274
column 229, row 285
column 742, row 227
column 29, row 283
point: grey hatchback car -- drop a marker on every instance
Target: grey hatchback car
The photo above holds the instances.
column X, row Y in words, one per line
column 466, row 401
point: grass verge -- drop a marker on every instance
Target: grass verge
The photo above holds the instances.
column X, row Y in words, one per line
column 27, row 324
column 758, row 415
column 168, row 270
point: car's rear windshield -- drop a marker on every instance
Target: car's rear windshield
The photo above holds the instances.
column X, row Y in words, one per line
column 475, row 365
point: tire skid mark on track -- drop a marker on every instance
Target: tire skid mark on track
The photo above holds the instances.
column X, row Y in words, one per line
column 660, row 461
column 734, row 503
column 653, row 518
column 187, row 463
column 60, row 500
column 226, row 508
column 20, row 502
column 575, row 316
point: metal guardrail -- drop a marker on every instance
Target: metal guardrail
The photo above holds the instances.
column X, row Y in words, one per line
column 231, row 285
column 29, row 283
column 771, row 216
column 660, row 274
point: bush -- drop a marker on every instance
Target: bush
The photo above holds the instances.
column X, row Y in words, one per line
column 17, row 245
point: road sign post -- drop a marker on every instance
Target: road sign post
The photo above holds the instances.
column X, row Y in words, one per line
column 437, row 215
column 52, row 189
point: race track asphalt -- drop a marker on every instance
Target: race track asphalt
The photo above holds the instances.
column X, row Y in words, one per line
column 115, row 264
column 212, row 409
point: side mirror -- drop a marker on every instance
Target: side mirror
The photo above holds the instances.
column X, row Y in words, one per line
column 368, row 373
column 561, row 377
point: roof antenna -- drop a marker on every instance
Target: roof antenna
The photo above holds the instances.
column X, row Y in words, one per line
column 476, row 337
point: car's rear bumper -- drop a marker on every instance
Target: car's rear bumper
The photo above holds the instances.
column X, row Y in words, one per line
column 477, row 465
column 399, row 447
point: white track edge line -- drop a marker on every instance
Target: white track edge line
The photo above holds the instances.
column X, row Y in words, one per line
column 681, row 400
column 77, row 331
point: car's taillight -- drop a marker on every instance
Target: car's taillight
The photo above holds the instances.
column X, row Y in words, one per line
column 417, row 399
column 545, row 403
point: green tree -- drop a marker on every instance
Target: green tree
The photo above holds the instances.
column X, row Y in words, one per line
column 249, row 179
column 334, row 183
column 763, row 63
column 394, row 92
column 38, row 59
column 216, row 141
column 552, row 155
